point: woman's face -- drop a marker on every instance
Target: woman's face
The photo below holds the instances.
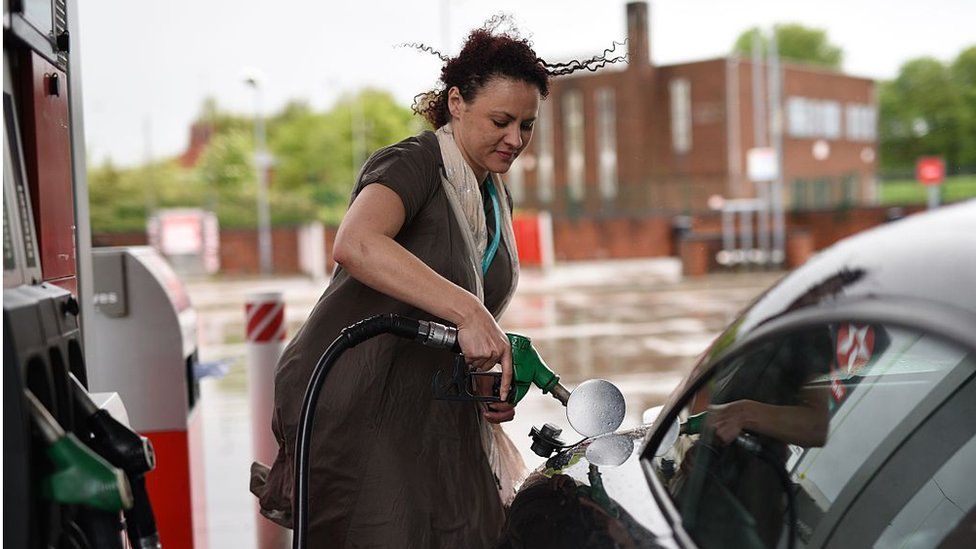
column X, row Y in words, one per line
column 495, row 127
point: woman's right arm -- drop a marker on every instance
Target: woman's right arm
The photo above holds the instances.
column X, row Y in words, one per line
column 365, row 247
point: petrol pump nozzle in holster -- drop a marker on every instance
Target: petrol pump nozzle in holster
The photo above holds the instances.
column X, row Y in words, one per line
column 528, row 369
column 130, row 452
column 79, row 476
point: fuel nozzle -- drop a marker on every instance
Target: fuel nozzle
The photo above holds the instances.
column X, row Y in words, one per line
column 595, row 407
column 694, row 424
column 80, row 476
column 130, row 452
column 118, row 444
column 530, row 369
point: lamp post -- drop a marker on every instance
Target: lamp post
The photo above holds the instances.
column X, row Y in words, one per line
column 262, row 161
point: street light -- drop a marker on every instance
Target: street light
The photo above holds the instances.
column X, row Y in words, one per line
column 262, row 161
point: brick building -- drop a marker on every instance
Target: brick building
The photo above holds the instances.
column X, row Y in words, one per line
column 639, row 138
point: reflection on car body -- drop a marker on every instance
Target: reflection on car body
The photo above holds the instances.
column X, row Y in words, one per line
column 860, row 375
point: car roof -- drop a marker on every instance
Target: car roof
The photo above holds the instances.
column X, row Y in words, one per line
column 929, row 256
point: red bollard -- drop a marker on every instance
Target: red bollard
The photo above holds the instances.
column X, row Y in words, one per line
column 265, row 339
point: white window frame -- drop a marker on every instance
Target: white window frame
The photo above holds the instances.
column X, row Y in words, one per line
column 574, row 143
column 606, row 141
column 545, row 174
column 679, row 92
column 809, row 118
column 861, row 122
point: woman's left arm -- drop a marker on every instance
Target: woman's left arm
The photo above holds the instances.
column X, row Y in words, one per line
column 804, row 424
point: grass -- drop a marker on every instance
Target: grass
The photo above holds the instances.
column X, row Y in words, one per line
column 909, row 191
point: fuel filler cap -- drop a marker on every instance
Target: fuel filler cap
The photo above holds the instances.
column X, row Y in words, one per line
column 595, row 407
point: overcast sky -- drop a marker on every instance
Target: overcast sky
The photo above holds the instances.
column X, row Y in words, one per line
column 147, row 65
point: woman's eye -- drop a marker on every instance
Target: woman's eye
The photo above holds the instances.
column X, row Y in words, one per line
column 500, row 124
column 527, row 127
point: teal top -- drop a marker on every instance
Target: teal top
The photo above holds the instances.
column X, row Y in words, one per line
column 492, row 248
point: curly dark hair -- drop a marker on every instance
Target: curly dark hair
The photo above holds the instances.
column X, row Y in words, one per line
column 489, row 53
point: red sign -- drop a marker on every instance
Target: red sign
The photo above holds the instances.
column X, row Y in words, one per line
column 855, row 345
column 930, row 170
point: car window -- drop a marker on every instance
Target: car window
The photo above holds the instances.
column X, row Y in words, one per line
column 817, row 413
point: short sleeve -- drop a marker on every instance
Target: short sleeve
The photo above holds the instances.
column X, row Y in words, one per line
column 410, row 168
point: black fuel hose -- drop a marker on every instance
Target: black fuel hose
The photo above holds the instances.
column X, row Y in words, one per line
column 428, row 333
column 750, row 444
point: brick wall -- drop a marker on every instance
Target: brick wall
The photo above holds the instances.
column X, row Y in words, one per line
column 574, row 239
column 827, row 227
column 119, row 239
column 611, row 238
column 239, row 250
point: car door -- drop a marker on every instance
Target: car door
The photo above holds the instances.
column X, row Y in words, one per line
column 840, row 432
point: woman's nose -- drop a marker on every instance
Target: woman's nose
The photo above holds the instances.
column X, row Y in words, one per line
column 513, row 137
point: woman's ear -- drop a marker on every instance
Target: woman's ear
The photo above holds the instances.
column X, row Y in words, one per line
column 455, row 103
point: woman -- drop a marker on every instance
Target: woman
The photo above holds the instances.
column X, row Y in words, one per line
column 427, row 235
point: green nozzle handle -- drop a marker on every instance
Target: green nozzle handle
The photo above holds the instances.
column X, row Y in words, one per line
column 530, row 369
column 694, row 424
column 80, row 477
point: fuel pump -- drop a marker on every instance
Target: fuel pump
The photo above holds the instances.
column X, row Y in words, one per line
column 132, row 453
column 588, row 414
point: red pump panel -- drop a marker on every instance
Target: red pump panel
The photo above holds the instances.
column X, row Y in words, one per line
column 527, row 239
column 47, row 151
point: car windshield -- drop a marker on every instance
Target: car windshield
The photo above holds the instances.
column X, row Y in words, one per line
column 802, row 435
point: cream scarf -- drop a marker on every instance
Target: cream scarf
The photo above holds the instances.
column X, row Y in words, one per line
column 464, row 194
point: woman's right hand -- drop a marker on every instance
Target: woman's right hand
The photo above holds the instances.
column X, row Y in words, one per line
column 484, row 344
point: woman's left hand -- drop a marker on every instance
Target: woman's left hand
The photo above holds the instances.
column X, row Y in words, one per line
column 499, row 412
column 494, row 412
column 729, row 420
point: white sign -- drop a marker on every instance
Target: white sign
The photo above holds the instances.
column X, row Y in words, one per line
column 761, row 164
column 181, row 234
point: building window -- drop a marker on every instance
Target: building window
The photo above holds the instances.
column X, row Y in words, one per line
column 680, row 92
column 849, row 190
column 821, row 194
column 800, row 194
column 861, row 122
column 831, row 119
column 813, row 118
column 543, row 137
column 606, row 136
column 574, row 144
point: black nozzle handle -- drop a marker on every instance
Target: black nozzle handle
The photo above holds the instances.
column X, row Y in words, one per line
column 117, row 443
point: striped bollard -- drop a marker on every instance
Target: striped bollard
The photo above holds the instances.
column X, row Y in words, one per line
column 266, row 329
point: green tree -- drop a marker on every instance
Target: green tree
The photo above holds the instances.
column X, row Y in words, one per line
column 315, row 152
column 114, row 205
column 312, row 176
column 922, row 112
column 796, row 43
column 963, row 75
column 119, row 198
